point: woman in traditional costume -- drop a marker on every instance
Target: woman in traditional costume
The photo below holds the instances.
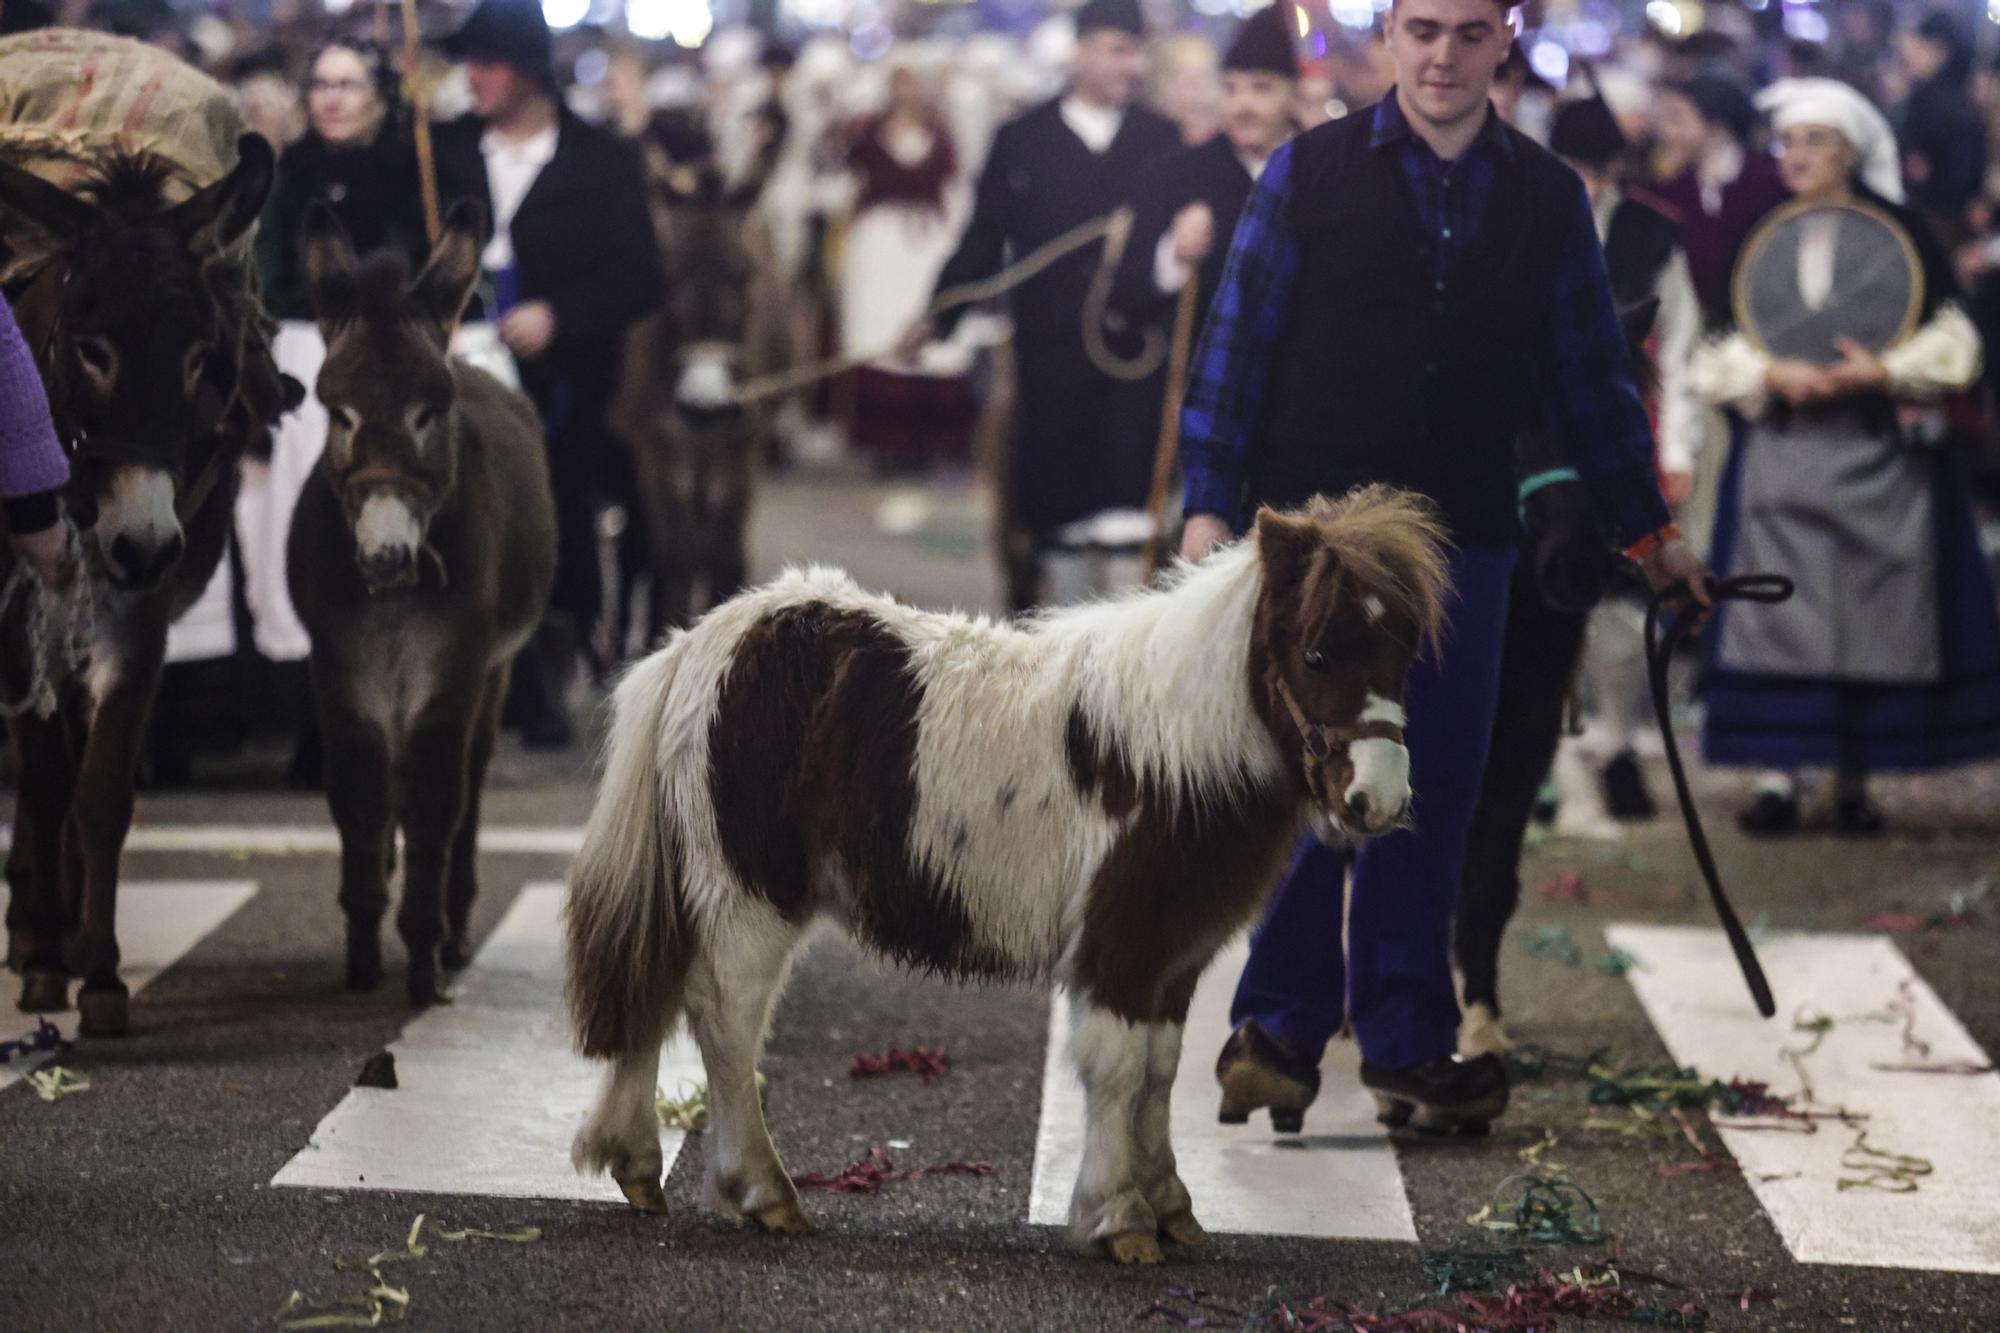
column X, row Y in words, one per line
column 1888, row 656
column 905, row 225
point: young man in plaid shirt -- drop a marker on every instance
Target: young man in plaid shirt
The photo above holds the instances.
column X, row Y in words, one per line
column 1407, row 289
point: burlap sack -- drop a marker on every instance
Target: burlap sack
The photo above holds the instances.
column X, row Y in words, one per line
column 70, row 100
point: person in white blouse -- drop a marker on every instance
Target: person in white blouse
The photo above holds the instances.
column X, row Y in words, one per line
column 1888, row 656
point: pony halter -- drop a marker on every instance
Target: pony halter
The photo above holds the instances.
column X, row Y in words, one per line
column 1319, row 740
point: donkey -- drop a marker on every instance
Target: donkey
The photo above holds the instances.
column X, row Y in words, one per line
column 1099, row 797
column 421, row 558
column 158, row 368
column 695, row 449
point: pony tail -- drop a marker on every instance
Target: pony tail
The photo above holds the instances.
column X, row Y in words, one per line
column 629, row 939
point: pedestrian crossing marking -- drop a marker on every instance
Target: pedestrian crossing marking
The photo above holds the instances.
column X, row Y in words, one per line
column 158, row 921
column 1340, row 1179
column 490, row 1091
column 1691, row 991
column 323, row 839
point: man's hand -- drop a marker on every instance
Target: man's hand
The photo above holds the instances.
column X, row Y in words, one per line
column 1797, row 382
column 1194, row 233
column 1860, row 371
column 1673, row 563
column 913, row 339
column 51, row 553
column 1200, row 534
column 528, row 329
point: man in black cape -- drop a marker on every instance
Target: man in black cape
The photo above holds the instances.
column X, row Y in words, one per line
column 572, row 263
column 1187, row 204
column 1083, row 439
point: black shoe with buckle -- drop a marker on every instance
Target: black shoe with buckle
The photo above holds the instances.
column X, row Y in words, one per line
column 1257, row 1070
column 1451, row 1095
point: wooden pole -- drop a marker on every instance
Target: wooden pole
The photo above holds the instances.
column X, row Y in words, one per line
column 420, row 121
column 1168, row 450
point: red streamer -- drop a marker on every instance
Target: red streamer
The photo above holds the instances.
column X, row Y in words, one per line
column 929, row 1063
column 871, row 1173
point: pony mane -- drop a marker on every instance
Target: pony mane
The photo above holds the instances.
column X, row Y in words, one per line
column 1392, row 544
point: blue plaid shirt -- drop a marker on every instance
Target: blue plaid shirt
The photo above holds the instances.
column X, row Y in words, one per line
column 1586, row 389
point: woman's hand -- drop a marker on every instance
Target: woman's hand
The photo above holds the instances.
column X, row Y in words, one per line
column 1860, row 371
column 1797, row 382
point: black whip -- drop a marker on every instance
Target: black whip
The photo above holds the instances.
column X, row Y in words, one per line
column 1767, row 588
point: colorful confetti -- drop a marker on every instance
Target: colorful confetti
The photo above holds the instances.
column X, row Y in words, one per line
column 870, row 1173
column 929, row 1063
column 46, row 1037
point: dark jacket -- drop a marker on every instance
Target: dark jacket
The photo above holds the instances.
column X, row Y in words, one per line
column 583, row 240
column 1212, row 174
column 372, row 190
column 1711, row 240
column 1083, row 441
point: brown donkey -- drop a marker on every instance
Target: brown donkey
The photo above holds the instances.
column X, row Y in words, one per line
column 421, row 558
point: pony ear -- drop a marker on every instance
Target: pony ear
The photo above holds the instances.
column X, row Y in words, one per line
column 446, row 283
column 1285, row 544
column 213, row 218
column 50, row 207
column 328, row 256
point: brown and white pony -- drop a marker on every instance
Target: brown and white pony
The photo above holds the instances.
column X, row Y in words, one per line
column 1099, row 797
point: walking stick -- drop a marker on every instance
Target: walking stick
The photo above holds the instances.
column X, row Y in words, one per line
column 420, row 121
column 1169, row 447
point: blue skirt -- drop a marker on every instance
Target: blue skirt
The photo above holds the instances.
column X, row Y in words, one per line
column 1762, row 721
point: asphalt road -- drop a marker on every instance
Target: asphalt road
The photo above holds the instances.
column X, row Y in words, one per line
column 146, row 1203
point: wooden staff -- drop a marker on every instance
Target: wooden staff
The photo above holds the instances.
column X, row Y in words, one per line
column 1168, row 450
column 420, row 120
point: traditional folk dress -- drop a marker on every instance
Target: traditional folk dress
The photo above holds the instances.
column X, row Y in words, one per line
column 901, row 235
column 1888, row 656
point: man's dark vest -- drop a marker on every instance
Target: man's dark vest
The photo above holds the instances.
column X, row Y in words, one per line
column 1386, row 375
column 1637, row 246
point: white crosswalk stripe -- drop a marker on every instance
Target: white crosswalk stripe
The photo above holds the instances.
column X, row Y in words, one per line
column 1688, row 983
column 1340, row 1179
column 323, row 839
column 490, row 1091
column 158, row 921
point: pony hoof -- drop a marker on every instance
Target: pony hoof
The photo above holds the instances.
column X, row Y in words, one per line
column 1135, row 1247
column 44, row 992
column 784, row 1219
column 1182, row 1229
column 1288, row 1122
column 645, row 1194
column 1480, row 1033
column 103, row 1013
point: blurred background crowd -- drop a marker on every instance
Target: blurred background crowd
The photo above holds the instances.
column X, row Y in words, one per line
column 861, row 128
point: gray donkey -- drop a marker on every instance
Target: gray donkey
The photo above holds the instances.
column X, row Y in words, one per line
column 421, row 558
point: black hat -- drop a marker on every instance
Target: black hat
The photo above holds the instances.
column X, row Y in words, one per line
column 1122, row 15
column 1264, row 44
column 510, row 30
column 1721, row 101
column 1585, row 131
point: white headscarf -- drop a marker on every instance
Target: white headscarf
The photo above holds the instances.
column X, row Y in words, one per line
column 1837, row 106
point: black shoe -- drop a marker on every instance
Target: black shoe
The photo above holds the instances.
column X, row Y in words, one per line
column 1257, row 1070
column 1451, row 1095
column 1858, row 817
column 1769, row 816
column 1625, row 794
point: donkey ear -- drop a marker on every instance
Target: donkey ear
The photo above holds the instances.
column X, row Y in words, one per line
column 448, row 278
column 1285, row 544
column 50, row 207
column 211, row 220
column 328, row 256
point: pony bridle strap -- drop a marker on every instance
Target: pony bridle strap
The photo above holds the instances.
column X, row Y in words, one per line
column 1319, row 740
column 388, row 478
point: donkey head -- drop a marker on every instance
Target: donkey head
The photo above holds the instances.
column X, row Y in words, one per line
column 391, row 447
column 1352, row 589
column 711, row 269
column 139, row 342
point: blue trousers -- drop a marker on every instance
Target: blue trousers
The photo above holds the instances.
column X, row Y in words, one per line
column 1394, row 976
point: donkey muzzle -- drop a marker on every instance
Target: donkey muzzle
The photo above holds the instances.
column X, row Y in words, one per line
column 138, row 531
column 387, row 539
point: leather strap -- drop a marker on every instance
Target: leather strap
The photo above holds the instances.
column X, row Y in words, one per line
column 1321, row 739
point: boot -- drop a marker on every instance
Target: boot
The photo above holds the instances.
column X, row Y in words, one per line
column 1443, row 1096
column 1257, row 1070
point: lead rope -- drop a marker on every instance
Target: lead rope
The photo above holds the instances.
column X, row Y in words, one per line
column 56, row 628
column 1765, row 588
